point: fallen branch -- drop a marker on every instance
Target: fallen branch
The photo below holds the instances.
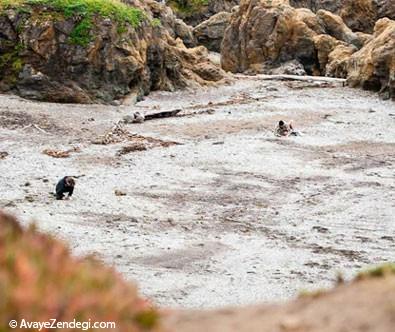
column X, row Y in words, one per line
column 36, row 127
column 161, row 115
column 305, row 78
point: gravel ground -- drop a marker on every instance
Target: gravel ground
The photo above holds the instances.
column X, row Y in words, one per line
column 231, row 214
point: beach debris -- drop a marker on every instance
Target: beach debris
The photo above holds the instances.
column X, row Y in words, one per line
column 136, row 117
column 59, row 153
column 3, row 154
column 32, row 125
column 116, row 134
column 137, row 146
column 161, row 115
column 283, row 129
column 118, row 192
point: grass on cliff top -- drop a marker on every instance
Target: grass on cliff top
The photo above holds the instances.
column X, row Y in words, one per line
column 113, row 9
column 84, row 10
column 187, row 7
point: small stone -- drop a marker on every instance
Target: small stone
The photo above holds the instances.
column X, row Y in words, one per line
column 119, row 193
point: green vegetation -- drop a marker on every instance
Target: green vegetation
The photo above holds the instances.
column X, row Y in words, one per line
column 37, row 271
column 378, row 271
column 156, row 22
column 187, row 7
column 85, row 10
column 81, row 32
column 11, row 64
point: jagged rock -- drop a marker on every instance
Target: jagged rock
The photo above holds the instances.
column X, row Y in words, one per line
column 373, row 66
column 39, row 59
column 265, row 34
column 176, row 27
column 292, row 67
column 195, row 12
column 211, row 32
column 338, row 61
column 217, row 6
column 335, row 27
column 359, row 15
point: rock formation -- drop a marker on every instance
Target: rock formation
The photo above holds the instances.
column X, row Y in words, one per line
column 264, row 35
column 373, row 67
column 52, row 56
column 195, row 12
column 359, row 15
column 211, row 32
column 176, row 27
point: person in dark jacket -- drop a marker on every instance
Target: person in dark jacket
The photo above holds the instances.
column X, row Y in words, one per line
column 65, row 185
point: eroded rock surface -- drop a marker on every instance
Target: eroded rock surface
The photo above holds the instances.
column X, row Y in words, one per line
column 373, row 67
column 359, row 15
column 211, row 32
column 264, row 35
column 195, row 12
column 48, row 56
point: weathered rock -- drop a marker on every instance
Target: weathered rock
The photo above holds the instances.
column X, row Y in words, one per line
column 338, row 61
column 195, row 12
column 359, row 15
column 211, row 32
column 335, row 27
column 40, row 60
column 373, row 67
column 265, row 34
column 174, row 26
column 292, row 67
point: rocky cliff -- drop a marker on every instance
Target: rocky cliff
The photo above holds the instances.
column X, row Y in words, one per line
column 194, row 12
column 64, row 51
column 373, row 67
column 359, row 15
column 265, row 34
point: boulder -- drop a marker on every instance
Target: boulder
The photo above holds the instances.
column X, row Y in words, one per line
column 373, row 66
column 211, row 32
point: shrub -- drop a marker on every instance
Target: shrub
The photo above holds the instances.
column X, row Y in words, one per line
column 377, row 271
column 39, row 280
column 188, row 6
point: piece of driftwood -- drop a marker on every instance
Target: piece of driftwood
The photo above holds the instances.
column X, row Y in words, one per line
column 304, row 78
column 32, row 125
column 161, row 115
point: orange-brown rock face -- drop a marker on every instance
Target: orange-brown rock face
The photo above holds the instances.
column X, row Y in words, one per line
column 264, row 34
column 373, row 67
column 359, row 15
